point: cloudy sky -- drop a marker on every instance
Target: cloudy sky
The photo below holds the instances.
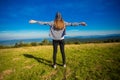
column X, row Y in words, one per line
column 102, row 17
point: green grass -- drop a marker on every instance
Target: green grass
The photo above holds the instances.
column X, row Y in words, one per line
column 84, row 62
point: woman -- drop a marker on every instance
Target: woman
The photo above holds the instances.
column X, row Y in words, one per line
column 57, row 33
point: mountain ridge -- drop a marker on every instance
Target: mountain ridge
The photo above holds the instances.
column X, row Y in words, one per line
column 67, row 38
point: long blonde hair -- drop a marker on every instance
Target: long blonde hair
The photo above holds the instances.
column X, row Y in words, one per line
column 59, row 22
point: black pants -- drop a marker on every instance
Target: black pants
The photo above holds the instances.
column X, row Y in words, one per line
column 55, row 46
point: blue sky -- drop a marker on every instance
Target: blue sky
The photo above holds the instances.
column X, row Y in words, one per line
column 102, row 17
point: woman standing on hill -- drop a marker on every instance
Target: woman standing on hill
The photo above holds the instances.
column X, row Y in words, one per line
column 57, row 33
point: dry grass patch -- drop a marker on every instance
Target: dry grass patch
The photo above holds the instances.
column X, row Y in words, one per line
column 67, row 73
column 5, row 73
column 48, row 76
column 16, row 59
column 28, row 67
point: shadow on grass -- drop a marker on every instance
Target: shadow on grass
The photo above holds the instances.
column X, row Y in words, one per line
column 41, row 60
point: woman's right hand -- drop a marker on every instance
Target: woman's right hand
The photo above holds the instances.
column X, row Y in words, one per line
column 32, row 21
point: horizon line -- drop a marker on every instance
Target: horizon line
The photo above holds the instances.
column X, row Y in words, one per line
column 66, row 36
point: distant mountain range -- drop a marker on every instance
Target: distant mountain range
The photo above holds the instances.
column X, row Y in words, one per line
column 12, row 42
column 67, row 38
column 98, row 36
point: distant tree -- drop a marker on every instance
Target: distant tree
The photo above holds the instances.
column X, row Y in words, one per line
column 76, row 42
column 45, row 42
column 16, row 45
column 34, row 43
column 21, row 43
column 1, row 46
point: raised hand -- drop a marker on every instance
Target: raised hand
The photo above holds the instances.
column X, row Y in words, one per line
column 83, row 23
column 32, row 21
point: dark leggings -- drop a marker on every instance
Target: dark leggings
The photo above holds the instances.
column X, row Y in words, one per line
column 55, row 46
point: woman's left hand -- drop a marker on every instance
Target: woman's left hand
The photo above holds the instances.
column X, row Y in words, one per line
column 83, row 23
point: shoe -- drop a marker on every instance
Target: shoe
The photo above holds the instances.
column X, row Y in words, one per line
column 64, row 65
column 54, row 66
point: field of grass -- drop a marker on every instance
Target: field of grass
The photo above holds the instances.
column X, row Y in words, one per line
column 84, row 62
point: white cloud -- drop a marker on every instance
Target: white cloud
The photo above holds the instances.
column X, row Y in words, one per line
column 10, row 35
column 89, row 33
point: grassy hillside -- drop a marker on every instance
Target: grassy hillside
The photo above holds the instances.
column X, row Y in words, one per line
column 84, row 62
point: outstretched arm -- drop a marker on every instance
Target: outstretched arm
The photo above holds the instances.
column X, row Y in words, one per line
column 40, row 22
column 75, row 24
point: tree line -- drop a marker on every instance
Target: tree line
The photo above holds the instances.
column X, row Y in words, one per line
column 23, row 44
column 67, row 41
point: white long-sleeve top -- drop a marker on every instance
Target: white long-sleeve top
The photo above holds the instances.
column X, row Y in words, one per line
column 58, row 34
